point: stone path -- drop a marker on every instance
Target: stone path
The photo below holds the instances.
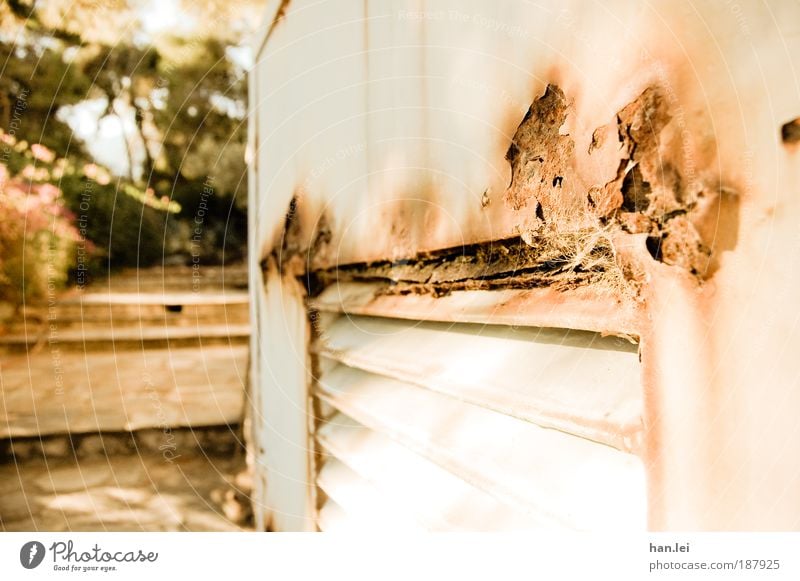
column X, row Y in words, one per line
column 121, row 406
column 104, row 391
column 192, row 492
column 112, row 361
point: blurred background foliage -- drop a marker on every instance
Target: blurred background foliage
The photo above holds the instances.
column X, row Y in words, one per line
column 115, row 114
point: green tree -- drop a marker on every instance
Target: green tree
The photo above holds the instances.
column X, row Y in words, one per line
column 187, row 97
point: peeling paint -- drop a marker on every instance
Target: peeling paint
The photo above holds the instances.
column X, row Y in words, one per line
column 539, row 153
column 648, row 195
column 566, row 227
column 680, row 231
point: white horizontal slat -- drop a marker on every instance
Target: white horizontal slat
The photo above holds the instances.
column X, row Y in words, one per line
column 574, row 381
column 548, row 473
column 333, row 518
column 436, row 498
column 581, row 308
column 358, row 497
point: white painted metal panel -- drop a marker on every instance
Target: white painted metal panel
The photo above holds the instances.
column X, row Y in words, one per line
column 284, row 447
column 311, row 103
column 574, row 381
column 545, row 472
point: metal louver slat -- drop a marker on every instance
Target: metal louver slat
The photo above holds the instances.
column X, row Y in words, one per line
column 333, row 519
column 544, row 472
column 360, row 499
column 580, row 308
column 574, row 381
column 436, row 498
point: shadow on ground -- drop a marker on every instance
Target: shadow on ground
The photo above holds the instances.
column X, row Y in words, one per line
column 193, row 491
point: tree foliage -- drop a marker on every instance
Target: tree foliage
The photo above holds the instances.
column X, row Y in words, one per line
column 187, row 99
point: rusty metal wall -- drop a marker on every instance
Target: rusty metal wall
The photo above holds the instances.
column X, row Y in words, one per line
column 384, row 130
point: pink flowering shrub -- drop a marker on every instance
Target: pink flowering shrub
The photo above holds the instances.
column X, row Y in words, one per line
column 42, row 153
column 37, row 239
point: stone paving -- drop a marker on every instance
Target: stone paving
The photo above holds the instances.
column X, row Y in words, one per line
column 121, row 409
column 90, row 391
column 191, row 492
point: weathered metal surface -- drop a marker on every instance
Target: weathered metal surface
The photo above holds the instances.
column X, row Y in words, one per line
column 497, row 137
column 391, row 125
column 361, row 500
column 437, row 499
column 333, row 519
column 565, row 262
column 581, row 308
column 574, row 381
column 280, row 409
column 550, row 475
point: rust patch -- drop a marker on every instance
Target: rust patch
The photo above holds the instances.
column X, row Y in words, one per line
column 568, row 228
column 659, row 201
column 294, row 253
column 538, row 152
column 291, row 249
column 562, row 261
column 648, row 195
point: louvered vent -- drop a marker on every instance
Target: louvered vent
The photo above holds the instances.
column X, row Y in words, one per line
column 443, row 425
